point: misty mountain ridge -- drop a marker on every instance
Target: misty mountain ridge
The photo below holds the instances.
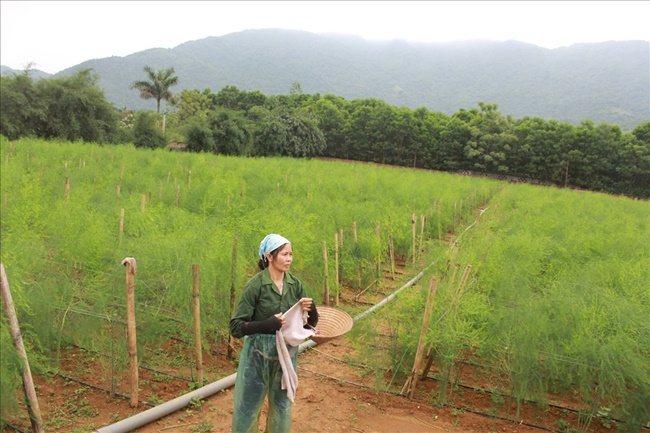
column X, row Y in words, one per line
column 603, row 82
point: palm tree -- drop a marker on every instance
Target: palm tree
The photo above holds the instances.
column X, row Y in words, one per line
column 158, row 86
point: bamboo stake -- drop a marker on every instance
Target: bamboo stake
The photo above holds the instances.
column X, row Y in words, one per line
column 121, row 225
column 233, row 282
column 143, row 201
column 121, row 174
column 14, row 331
column 178, row 195
column 341, row 237
column 119, row 187
column 130, row 264
column 378, row 234
column 337, row 282
column 413, row 235
column 391, row 250
column 326, row 300
column 67, row 188
column 409, row 386
column 169, row 174
column 439, row 221
column 197, row 324
column 423, row 219
column 453, row 276
column 463, row 282
column 354, row 227
column 189, row 179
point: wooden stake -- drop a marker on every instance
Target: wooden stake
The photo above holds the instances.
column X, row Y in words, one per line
column 453, row 276
column 463, row 282
column 143, row 201
column 439, row 221
column 378, row 234
column 409, row 386
column 326, row 299
column 413, row 235
column 337, row 282
column 197, row 324
column 67, row 188
column 233, row 282
column 354, row 227
column 189, row 179
column 119, row 187
column 121, row 225
column 130, row 264
column 121, row 174
column 14, row 331
column 178, row 195
column 391, row 250
column 341, row 237
column 423, row 219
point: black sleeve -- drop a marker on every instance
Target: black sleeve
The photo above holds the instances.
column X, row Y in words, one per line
column 266, row 326
column 312, row 319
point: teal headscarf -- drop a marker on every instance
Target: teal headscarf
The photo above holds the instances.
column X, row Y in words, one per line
column 271, row 243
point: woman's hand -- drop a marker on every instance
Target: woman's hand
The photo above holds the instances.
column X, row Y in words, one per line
column 305, row 303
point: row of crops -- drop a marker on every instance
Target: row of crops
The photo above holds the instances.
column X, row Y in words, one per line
column 72, row 212
column 557, row 304
column 548, row 288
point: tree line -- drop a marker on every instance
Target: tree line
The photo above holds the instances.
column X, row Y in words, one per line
column 248, row 123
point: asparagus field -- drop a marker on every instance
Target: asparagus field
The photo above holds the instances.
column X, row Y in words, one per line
column 544, row 290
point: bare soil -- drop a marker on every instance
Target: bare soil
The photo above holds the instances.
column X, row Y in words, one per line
column 333, row 395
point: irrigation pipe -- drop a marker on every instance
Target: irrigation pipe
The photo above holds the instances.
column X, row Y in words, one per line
column 164, row 409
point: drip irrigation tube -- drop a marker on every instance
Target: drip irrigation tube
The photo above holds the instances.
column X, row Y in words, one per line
column 164, row 409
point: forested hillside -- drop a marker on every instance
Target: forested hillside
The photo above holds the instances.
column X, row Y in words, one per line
column 604, row 82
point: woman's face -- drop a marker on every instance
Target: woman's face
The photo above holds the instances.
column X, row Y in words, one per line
column 282, row 260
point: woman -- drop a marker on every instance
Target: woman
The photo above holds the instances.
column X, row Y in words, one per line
column 258, row 316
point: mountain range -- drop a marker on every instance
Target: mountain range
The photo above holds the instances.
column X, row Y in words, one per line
column 603, row 82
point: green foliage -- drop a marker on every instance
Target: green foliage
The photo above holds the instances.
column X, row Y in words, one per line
column 70, row 108
column 158, row 86
column 605, row 82
column 63, row 255
column 481, row 141
column 146, row 132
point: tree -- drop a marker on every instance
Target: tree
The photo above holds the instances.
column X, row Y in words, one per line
column 158, row 85
column 145, row 131
column 69, row 108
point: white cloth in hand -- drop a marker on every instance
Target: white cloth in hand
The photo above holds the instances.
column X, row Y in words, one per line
column 291, row 333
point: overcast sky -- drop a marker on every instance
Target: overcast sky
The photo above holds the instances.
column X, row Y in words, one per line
column 55, row 35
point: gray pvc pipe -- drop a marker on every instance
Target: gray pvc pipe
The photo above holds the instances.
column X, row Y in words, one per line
column 164, row 409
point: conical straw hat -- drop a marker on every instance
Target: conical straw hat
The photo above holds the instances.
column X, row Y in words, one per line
column 332, row 323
